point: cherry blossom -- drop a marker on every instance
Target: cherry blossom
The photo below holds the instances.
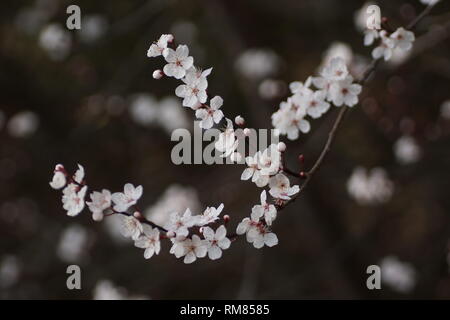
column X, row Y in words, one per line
column 191, row 249
column 269, row 161
column 149, row 241
column 246, row 225
column 210, row 115
column 370, row 35
column 403, row 39
column 316, row 105
column 131, row 227
column 290, row 119
column 345, row 92
column 73, row 199
column 100, row 201
column 178, row 60
column 265, row 210
column 210, row 215
column 129, row 197
column 193, row 90
column 261, row 236
column 280, row 187
column 59, row 178
column 385, row 48
column 79, row 174
column 216, row 241
column 157, row 48
column 335, row 70
column 227, row 141
column 180, row 223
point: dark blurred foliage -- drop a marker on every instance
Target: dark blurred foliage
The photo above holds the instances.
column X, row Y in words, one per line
column 327, row 240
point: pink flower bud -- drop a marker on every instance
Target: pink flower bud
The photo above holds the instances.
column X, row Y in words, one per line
column 239, row 121
column 157, row 74
column 281, row 146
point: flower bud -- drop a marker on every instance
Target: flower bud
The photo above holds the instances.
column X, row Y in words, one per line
column 157, row 74
column 239, row 121
column 226, row 218
column 281, row 146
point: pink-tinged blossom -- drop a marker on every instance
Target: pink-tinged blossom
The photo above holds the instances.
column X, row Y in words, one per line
column 59, row 178
column 264, row 210
column 156, row 49
column 227, row 142
column 193, row 91
column 178, row 60
column 211, row 114
column 280, row 187
column 73, row 199
column 149, row 240
column 216, row 241
column 345, row 92
column 100, row 201
column 131, row 227
column 180, row 223
column 129, row 197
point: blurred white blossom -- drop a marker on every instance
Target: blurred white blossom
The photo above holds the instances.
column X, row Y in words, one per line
column 56, row 40
column 369, row 188
column 92, row 28
column 445, row 110
column 407, row 150
column 23, row 124
column 400, row 276
column 72, row 243
column 176, row 198
column 9, row 271
column 257, row 63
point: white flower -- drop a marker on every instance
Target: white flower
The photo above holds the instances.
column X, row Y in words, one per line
column 253, row 171
column 99, row 202
column 129, row 197
column 210, row 215
column 299, row 87
column 345, row 92
column 407, row 150
column 403, row 39
column 178, row 61
column 180, row 223
column 59, row 178
column 386, row 47
column 247, row 225
column 194, row 89
column 280, row 187
column 315, row 104
column 149, row 241
column 370, row 188
column 191, row 249
column 157, row 48
column 266, row 210
column 79, row 174
column 239, row 121
column 400, row 276
column 210, row 115
column 73, row 199
column 131, row 227
column 269, row 161
column 369, row 36
column 429, row 2
column 227, row 141
column 289, row 119
column 262, row 236
column 335, row 70
column 257, row 233
column 216, row 241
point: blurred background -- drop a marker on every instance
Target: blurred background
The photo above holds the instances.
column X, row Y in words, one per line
column 87, row 96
